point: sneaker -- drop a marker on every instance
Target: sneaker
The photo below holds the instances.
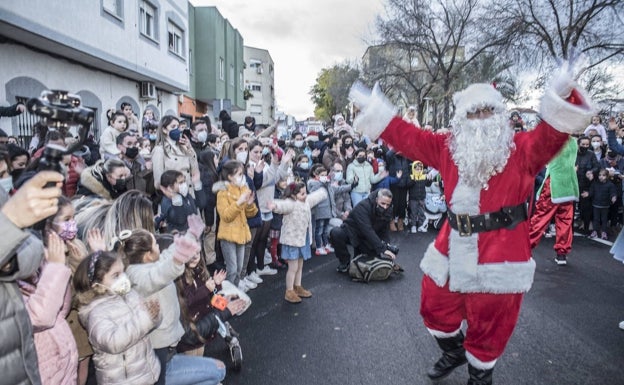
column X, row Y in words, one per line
column 254, row 277
column 320, row 251
column 329, row 249
column 242, row 287
column 413, row 230
column 603, row 235
column 561, row 259
column 250, row 284
column 267, row 257
column 622, row 325
column 343, row 268
column 424, row 227
column 593, row 234
column 266, row 271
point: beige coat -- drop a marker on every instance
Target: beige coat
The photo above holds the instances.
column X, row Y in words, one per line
column 176, row 158
column 297, row 218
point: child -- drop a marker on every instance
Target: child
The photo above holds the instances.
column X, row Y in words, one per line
column 117, row 123
column 276, row 225
column 417, row 193
column 301, row 168
column 118, row 321
column 47, row 297
column 603, row 194
column 322, row 212
column 296, row 234
column 177, row 204
column 235, row 203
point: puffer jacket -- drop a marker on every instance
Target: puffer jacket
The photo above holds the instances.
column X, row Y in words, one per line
column 324, row 209
column 118, row 329
column 233, row 225
column 156, row 280
column 297, row 218
column 365, row 174
column 48, row 303
column 20, row 256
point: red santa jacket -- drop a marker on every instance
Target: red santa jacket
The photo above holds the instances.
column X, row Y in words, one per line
column 496, row 261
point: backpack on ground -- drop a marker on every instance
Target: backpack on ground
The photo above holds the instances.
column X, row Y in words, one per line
column 366, row 268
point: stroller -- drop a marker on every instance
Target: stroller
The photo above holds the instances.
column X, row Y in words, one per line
column 435, row 204
column 231, row 339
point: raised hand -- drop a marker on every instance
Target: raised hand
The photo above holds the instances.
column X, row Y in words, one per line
column 196, row 225
column 95, row 240
column 219, row 276
column 34, row 202
column 55, row 252
column 185, row 249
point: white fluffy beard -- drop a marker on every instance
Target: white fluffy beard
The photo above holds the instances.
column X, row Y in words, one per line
column 480, row 148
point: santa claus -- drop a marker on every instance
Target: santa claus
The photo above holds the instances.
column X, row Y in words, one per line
column 479, row 267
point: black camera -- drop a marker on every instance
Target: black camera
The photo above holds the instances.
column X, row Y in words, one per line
column 394, row 249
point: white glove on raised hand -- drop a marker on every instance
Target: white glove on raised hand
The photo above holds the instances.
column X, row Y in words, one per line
column 564, row 78
column 376, row 111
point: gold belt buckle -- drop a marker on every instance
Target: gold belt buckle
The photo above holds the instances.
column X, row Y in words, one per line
column 464, row 231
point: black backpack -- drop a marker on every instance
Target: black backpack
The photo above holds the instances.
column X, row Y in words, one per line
column 365, row 268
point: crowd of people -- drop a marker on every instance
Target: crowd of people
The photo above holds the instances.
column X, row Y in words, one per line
column 159, row 228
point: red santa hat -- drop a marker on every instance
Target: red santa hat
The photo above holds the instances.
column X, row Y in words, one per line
column 476, row 96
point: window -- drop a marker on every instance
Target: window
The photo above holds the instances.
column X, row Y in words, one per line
column 221, row 69
column 231, row 74
column 176, row 39
column 255, row 109
column 254, row 87
column 253, row 63
column 113, row 7
column 148, row 20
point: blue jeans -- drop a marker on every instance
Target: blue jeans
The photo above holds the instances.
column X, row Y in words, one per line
column 321, row 231
column 190, row 370
column 234, row 256
column 356, row 197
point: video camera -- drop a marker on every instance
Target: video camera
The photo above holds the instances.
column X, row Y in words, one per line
column 60, row 109
column 394, row 249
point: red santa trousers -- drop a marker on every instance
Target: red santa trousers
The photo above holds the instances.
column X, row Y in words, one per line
column 491, row 318
column 544, row 211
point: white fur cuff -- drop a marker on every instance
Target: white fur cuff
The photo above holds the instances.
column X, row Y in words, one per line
column 435, row 265
column 474, row 361
column 564, row 116
column 375, row 117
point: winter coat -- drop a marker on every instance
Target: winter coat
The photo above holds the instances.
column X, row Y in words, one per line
column 208, row 180
column 48, row 303
column 297, row 218
column 10, row 110
column 176, row 217
column 586, row 162
column 341, row 199
column 140, row 177
column 271, row 174
column 323, row 210
column 233, row 225
column 118, row 329
column 20, row 256
column 330, row 157
column 155, row 280
column 601, row 193
column 278, row 219
column 254, row 184
column 230, row 127
column 395, row 162
column 76, row 166
column 108, row 143
column 170, row 156
column 366, row 177
column 93, row 184
column 367, row 230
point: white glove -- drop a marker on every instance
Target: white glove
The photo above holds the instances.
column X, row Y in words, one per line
column 563, row 80
column 376, row 111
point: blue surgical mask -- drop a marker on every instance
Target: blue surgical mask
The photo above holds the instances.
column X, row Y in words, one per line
column 152, row 137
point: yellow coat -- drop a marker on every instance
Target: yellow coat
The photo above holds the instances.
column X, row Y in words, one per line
column 232, row 217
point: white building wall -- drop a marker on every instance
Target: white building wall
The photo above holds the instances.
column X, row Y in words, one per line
column 27, row 71
column 262, row 105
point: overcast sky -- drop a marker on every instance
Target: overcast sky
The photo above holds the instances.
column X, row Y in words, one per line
column 302, row 36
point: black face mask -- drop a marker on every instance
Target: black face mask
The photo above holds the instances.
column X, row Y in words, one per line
column 361, row 159
column 380, row 211
column 120, row 184
column 132, row 152
column 583, row 150
column 347, row 145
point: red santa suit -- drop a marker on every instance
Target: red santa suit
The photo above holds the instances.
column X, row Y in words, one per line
column 481, row 277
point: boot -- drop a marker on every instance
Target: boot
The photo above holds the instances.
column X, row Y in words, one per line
column 292, row 297
column 479, row 376
column 453, row 355
column 400, row 224
column 302, row 293
column 393, row 226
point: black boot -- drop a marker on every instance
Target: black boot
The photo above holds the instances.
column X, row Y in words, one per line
column 453, row 356
column 479, row 376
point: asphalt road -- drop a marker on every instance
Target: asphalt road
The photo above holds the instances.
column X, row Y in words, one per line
column 353, row 333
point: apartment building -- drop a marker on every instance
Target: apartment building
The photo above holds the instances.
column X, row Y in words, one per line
column 259, row 85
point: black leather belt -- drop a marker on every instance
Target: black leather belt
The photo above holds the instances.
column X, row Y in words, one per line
column 507, row 217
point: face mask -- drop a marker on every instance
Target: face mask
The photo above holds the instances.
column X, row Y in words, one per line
column 6, row 184
column 323, row 179
column 361, row 159
column 242, row 157
column 240, row 182
column 595, row 145
column 144, row 152
column 220, row 146
column 338, row 176
column 175, row 134
column 121, row 286
column 120, row 184
column 346, row 145
column 298, row 143
column 304, row 166
column 380, row 211
column 202, row 136
column 132, row 152
column 184, row 189
column 152, row 137
column 583, row 150
column 69, row 229
column 619, row 140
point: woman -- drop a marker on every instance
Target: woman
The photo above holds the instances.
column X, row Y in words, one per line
column 106, row 179
column 332, row 153
column 174, row 152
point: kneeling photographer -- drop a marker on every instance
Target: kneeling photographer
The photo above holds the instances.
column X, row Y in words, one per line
column 366, row 229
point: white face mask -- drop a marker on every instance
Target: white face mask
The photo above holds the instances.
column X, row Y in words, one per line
column 323, row 179
column 6, row 184
column 121, row 286
column 184, row 189
column 298, row 143
column 595, row 145
column 241, row 181
column 242, row 157
column 619, row 140
column 202, row 136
